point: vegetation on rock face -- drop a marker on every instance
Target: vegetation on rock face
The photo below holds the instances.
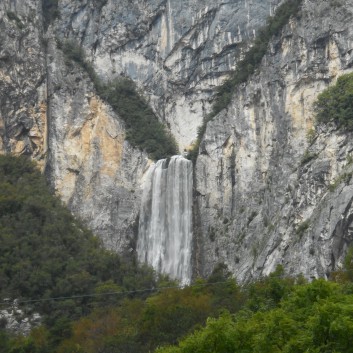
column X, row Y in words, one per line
column 50, row 12
column 247, row 66
column 46, row 253
column 335, row 104
column 13, row 17
column 142, row 126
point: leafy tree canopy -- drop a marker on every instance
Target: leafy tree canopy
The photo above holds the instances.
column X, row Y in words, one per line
column 315, row 318
column 45, row 252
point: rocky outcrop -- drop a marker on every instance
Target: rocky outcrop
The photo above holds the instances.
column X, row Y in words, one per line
column 23, row 102
column 50, row 111
column 16, row 320
column 270, row 189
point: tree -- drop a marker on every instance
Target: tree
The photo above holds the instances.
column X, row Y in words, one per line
column 335, row 104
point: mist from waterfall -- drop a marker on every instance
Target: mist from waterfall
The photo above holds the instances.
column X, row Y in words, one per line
column 165, row 226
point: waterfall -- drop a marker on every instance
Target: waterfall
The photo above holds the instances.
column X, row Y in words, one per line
column 165, row 226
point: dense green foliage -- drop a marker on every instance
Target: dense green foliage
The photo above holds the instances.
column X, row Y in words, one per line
column 274, row 314
column 315, row 318
column 50, row 12
column 335, row 104
column 140, row 326
column 46, row 253
column 247, row 66
column 143, row 127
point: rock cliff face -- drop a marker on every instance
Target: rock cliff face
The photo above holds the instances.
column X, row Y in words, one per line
column 268, row 190
column 23, row 103
column 89, row 163
column 164, row 50
column 177, row 51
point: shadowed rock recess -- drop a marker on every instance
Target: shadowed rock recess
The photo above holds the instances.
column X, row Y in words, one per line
column 270, row 187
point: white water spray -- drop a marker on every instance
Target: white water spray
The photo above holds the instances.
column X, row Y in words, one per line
column 165, row 227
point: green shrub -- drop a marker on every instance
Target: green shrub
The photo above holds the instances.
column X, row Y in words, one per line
column 247, row 66
column 302, row 227
column 143, row 128
column 72, row 51
column 343, row 178
column 335, row 103
column 13, row 17
column 315, row 318
column 307, row 157
column 310, row 135
column 349, row 159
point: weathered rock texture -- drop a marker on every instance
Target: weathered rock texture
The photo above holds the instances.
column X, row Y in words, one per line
column 269, row 190
column 262, row 189
column 176, row 59
column 177, row 51
column 23, row 102
column 95, row 171
column 49, row 110
column 17, row 321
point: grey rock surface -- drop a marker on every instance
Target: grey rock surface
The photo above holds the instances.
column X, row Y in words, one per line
column 22, row 79
column 268, row 190
column 90, row 165
column 17, row 321
column 177, row 51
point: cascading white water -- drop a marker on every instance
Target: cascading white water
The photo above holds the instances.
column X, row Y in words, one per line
column 165, row 227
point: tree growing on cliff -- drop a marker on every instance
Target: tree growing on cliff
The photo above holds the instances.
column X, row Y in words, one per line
column 143, row 129
column 335, row 103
